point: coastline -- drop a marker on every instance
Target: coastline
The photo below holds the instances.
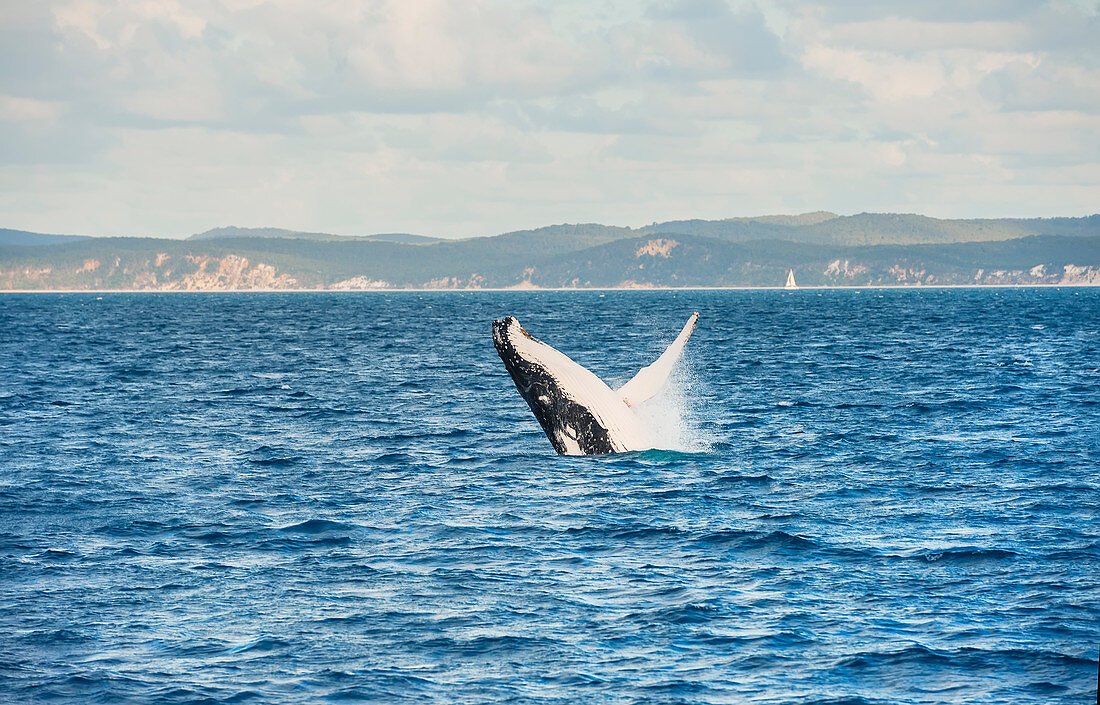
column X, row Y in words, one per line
column 536, row 290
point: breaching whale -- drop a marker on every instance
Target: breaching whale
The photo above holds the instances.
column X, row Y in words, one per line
column 580, row 414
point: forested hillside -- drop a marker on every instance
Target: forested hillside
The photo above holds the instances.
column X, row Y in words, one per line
column 823, row 249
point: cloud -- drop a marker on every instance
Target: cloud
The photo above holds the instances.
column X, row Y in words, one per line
column 883, row 76
column 1033, row 84
column 927, row 10
column 903, row 35
column 470, row 118
column 29, row 109
column 707, row 37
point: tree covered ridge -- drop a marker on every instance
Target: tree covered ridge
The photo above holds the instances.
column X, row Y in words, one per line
column 823, row 249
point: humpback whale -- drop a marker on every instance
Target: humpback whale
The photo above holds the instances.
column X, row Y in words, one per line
column 580, row 414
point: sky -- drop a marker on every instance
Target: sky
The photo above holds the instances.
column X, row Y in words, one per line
column 474, row 117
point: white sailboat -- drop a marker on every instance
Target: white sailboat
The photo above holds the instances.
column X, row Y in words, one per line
column 790, row 280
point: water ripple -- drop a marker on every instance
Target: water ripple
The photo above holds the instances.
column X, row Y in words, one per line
column 301, row 498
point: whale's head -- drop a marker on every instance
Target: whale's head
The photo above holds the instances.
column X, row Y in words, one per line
column 520, row 352
column 505, row 331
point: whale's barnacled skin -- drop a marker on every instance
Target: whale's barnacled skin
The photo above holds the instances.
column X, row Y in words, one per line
column 580, row 414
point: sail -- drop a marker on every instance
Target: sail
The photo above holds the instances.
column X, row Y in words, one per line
column 790, row 280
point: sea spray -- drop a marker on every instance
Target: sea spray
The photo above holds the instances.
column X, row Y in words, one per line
column 672, row 417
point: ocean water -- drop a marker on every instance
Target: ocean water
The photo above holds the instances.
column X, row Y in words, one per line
column 865, row 497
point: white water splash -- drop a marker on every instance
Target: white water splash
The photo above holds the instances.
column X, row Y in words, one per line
column 672, row 418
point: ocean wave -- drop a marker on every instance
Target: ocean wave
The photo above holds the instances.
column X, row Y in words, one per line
column 915, row 524
column 318, row 526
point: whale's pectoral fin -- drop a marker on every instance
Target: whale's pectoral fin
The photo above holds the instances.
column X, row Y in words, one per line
column 649, row 380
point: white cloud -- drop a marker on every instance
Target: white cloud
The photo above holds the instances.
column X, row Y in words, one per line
column 163, row 116
column 884, row 76
column 112, row 25
column 898, row 35
column 29, row 109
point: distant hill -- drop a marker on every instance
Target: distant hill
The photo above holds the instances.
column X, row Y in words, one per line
column 796, row 220
column 823, row 249
column 233, row 232
column 877, row 228
column 689, row 261
column 29, row 239
column 403, row 238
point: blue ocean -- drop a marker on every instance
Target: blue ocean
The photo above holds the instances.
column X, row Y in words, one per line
column 863, row 496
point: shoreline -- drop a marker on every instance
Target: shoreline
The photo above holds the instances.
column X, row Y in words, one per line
column 536, row 290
